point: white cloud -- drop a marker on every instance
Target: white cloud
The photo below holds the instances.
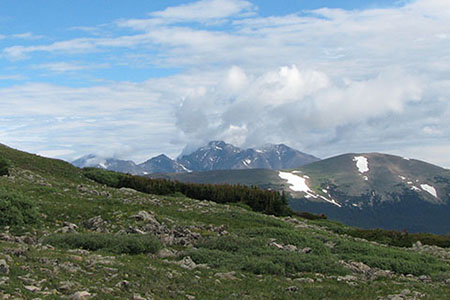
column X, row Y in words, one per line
column 62, row 67
column 27, row 36
column 204, row 11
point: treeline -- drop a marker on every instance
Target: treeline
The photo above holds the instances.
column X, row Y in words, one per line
column 265, row 201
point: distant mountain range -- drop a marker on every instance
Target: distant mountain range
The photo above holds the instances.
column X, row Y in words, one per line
column 216, row 155
column 367, row 190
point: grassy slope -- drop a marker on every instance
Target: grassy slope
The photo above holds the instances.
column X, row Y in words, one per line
column 262, row 271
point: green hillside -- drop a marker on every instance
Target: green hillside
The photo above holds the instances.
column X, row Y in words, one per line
column 64, row 236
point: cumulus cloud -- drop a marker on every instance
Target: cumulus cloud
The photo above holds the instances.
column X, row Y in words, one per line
column 290, row 104
column 326, row 81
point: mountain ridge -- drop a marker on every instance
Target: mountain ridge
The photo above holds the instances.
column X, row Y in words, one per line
column 216, row 155
column 359, row 189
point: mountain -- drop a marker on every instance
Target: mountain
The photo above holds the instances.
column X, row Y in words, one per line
column 63, row 235
column 367, row 190
column 216, row 155
column 124, row 166
column 162, row 164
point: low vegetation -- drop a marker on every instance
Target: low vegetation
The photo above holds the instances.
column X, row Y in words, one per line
column 16, row 208
column 388, row 237
column 4, row 167
column 64, row 236
column 265, row 201
column 118, row 244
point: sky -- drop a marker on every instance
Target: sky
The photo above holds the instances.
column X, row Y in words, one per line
column 133, row 79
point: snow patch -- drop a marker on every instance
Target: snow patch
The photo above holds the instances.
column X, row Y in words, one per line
column 366, row 178
column 430, row 189
column 102, row 164
column 298, row 184
column 361, row 163
column 145, row 173
column 406, row 158
column 415, row 188
column 402, row 177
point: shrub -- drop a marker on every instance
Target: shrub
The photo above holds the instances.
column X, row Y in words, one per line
column 110, row 178
column 310, row 216
column 127, row 244
column 4, row 167
column 16, row 209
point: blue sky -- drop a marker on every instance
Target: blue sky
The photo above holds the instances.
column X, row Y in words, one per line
column 135, row 79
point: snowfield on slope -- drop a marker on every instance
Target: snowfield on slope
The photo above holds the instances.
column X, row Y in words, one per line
column 430, row 189
column 361, row 163
column 298, row 184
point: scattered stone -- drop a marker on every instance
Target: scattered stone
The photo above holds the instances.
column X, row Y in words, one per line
column 4, row 267
column 347, row 278
column 166, row 253
column 83, row 295
column 145, row 216
column 304, row 280
column 425, row 278
column 227, row 276
column 124, row 284
column 97, row 224
column 187, row 263
column 128, row 190
column 4, row 280
column 306, row 250
column 32, row 288
column 276, row 245
column 66, row 286
column 291, row 248
column 292, row 289
column 330, row 244
column 68, row 228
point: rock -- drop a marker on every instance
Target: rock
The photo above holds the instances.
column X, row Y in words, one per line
column 356, row 267
column 226, row 276
column 124, row 284
column 276, row 245
column 68, row 228
column 4, row 280
column 128, row 190
column 4, row 267
column 96, row 223
column 32, row 288
column 188, row 263
column 146, row 217
column 347, row 278
column 425, row 278
column 190, row 297
column 291, row 248
column 417, row 244
column 304, row 280
column 330, row 244
column 292, row 288
column 165, row 253
column 83, row 295
column 306, row 250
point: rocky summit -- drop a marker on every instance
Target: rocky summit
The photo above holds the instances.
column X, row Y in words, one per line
column 66, row 236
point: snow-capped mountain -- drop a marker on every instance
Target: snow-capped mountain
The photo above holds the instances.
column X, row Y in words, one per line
column 162, row 164
column 216, row 155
